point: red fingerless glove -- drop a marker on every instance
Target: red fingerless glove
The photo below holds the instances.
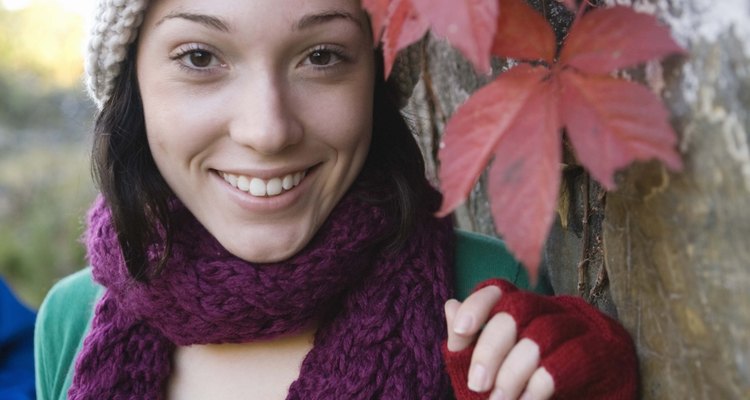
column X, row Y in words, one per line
column 588, row 354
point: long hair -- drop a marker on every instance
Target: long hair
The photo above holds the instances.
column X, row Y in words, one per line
column 138, row 196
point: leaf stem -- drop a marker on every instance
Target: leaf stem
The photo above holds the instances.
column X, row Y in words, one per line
column 582, row 8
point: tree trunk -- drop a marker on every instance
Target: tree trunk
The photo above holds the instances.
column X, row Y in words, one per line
column 674, row 247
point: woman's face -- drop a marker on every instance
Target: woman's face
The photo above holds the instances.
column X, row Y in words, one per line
column 258, row 113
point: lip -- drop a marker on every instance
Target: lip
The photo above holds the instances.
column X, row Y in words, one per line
column 266, row 174
column 267, row 204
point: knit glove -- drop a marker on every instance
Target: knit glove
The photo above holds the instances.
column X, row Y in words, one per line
column 588, row 354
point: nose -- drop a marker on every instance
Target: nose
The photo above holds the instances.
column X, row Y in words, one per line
column 265, row 118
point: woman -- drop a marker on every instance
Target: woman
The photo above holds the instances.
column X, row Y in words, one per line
column 265, row 230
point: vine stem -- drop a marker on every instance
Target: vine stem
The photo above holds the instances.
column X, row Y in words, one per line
column 601, row 279
column 433, row 103
column 582, row 270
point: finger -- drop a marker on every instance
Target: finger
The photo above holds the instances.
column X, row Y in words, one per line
column 455, row 341
column 451, row 308
column 469, row 316
column 475, row 311
column 541, row 385
column 516, row 370
column 494, row 344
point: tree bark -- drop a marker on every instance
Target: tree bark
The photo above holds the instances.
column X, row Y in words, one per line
column 673, row 247
column 676, row 245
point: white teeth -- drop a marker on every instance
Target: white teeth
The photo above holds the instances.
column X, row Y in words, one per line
column 257, row 187
column 288, row 182
column 232, row 179
column 273, row 187
column 242, row 183
column 260, row 188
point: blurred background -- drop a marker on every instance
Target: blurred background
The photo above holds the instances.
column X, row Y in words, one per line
column 45, row 125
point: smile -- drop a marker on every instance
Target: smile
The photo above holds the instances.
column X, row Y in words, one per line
column 261, row 187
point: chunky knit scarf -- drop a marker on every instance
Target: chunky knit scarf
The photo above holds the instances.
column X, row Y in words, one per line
column 380, row 314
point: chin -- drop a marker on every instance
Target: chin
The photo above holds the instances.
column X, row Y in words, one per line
column 266, row 248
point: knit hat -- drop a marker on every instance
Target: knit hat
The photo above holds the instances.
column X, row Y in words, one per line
column 114, row 27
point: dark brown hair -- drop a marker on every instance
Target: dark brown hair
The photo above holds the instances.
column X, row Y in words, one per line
column 138, row 196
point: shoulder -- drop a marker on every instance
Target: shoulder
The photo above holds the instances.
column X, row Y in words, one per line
column 480, row 257
column 62, row 323
column 70, row 300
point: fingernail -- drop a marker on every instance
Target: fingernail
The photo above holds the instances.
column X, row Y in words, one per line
column 463, row 324
column 525, row 396
column 497, row 395
column 477, row 378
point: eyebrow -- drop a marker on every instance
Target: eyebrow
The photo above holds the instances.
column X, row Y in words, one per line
column 207, row 20
column 323, row 17
column 305, row 22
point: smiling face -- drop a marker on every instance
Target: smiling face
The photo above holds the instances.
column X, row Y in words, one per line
column 258, row 113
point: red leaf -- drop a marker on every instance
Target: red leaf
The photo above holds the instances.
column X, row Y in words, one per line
column 523, row 33
column 524, row 178
column 469, row 25
column 612, row 122
column 404, row 27
column 378, row 10
column 475, row 129
column 608, row 39
column 515, row 119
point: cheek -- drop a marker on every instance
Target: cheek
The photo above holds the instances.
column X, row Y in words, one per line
column 161, row 138
column 343, row 119
column 359, row 127
column 351, row 135
column 175, row 128
column 177, row 123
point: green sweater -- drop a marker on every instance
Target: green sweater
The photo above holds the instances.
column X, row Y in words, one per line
column 65, row 315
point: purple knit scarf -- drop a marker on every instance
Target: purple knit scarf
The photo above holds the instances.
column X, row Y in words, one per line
column 380, row 315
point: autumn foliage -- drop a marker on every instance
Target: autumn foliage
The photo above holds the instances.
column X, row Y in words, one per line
column 515, row 124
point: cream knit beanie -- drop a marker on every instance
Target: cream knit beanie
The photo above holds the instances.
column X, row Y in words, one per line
column 114, row 27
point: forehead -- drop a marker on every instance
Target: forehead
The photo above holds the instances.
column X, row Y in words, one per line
column 273, row 14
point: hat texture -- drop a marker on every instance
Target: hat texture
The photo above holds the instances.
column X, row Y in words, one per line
column 114, row 26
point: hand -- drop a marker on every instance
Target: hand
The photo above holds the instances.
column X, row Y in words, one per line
column 535, row 347
column 501, row 362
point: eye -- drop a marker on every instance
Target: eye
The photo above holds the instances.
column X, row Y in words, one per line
column 324, row 56
column 196, row 58
column 320, row 57
column 200, row 58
